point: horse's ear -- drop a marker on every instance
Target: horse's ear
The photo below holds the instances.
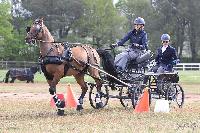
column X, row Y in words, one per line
column 41, row 21
column 28, row 28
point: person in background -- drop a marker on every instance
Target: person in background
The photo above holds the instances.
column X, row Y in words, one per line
column 138, row 43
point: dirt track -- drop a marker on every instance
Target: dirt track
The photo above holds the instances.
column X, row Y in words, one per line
column 39, row 91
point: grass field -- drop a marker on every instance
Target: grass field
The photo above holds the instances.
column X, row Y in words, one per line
column 25, row 108
column 189, row 77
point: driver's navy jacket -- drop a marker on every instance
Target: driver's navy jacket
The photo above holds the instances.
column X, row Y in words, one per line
column 139, row 37
column 167, row 57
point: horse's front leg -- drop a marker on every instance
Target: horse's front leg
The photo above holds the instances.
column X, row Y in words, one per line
column 52, row 89
column 80, row 80
column 59, row 104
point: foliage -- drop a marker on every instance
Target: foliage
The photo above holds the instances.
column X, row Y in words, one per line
column 59, row 15
column 100, row 22
column 178, row 21
column 6, row 35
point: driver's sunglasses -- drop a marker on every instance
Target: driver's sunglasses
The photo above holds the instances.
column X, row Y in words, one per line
column 165, row 41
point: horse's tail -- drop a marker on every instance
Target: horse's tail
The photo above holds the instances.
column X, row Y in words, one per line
column 7, row 76
column 107, row 62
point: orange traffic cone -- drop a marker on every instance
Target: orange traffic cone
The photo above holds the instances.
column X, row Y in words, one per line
column 143, row 105
column 60, row 96
column 70, row 100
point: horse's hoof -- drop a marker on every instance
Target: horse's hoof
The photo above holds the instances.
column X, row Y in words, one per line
column 79, row 107
column 60, row 112
column 99, row 105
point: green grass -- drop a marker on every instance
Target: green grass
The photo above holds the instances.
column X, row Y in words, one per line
column 41, row 78
column 189, row 77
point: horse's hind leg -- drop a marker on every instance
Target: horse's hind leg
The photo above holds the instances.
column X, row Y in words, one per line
column 80, row 80
column 99, row 103
column 95, row 74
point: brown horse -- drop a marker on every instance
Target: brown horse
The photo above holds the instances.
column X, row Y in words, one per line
column 59, row 60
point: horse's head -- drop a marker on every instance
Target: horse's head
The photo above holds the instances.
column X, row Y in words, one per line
column 34, row 32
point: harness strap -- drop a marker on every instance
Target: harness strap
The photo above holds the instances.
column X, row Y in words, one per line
column 66, row 68
column 95, row 59
column 88, row 59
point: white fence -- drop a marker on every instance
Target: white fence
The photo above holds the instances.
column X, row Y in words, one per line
column 187, row 66
column 25, row 64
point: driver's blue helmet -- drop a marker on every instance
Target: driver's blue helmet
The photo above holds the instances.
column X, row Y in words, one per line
column 139, row 20
column 165, row 37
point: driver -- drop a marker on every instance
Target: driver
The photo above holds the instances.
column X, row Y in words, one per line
column 138, row 43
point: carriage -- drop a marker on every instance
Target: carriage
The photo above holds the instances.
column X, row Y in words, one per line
column 130, row 85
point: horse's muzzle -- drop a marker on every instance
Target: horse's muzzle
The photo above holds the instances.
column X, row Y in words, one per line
column 29, row 41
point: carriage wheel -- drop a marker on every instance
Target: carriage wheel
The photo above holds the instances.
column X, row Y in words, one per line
column 137, row 93
column 129, row 97
column 175, row 93
column 104, row 95
column 125, row 97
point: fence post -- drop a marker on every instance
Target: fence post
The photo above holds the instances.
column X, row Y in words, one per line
column 6, row 65
column 183, row 67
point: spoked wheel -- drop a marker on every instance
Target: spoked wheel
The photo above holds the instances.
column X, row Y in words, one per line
column 129, row 97
column 125, row 97
column 137, row 93
column 175, row 93
column 104, row 95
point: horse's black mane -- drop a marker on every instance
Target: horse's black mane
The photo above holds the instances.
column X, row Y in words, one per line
column 107, row 63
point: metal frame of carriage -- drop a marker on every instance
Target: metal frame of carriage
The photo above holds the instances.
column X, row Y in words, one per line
column 131, row 88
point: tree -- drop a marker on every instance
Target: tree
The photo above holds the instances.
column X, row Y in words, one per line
column 5, row 28
column 59, row 15
column 181, row 20
column 100, row 22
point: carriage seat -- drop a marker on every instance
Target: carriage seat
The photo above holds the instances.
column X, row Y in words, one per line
column 166, row 76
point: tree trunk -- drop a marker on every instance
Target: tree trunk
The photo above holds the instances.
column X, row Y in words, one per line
column 193, row 41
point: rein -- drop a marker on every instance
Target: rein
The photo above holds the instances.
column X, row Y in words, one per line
column 59, row 42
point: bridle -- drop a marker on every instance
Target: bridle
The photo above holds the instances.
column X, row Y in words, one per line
column 38, row 28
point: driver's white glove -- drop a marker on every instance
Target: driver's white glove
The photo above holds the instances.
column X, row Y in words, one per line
column 114, row 45
column 136, row 45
